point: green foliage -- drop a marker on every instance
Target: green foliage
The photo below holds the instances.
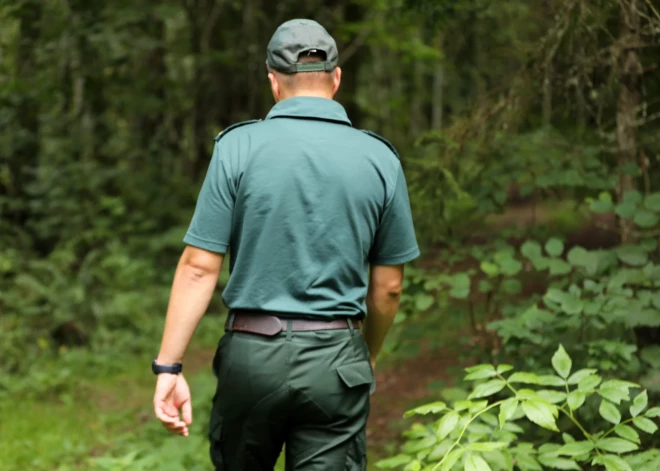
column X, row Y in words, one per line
column 493, row 434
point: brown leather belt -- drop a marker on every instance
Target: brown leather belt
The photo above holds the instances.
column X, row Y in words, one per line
column 269, row 325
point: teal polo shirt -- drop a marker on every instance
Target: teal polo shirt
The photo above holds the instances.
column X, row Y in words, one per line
column 304, row 203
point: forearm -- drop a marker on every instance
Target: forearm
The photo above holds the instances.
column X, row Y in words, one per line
column 192, row 290
column 382, row 306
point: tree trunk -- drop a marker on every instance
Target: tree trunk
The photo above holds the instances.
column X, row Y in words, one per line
column 547, row 93
column 23, row 163
column 630, row 71
column 438, row 84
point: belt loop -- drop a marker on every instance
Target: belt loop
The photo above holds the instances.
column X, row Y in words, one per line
column 349, row 321
column 230, row 322
column 289, row 329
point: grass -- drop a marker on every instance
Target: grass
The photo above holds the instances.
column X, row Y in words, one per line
column 99, row 421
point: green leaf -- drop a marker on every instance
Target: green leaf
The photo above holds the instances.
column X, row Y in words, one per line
column 490, row 268
column 576, row 399
column 503, row 368
column 625, row 210
column 423, row 301
column 645, row 425
column 488, row 389
column 550, row 380
column 447, row 424
column 554, row 247
column 601, row 206
column 553, row 462
column 578, row 376
column 413, row 466
column 432, row 408
column 451, row 459
column 578, row 256
column 612, row 463
column 559, row 267
column 589, row 383
column 609, row 412
column 652, row 202
column 632, row 196
column 531, row 249
column 478, row 407
column 644, row 218
column 521, row 377
column 527, row 462
column 487, row 446
column 627, row 432
column 421, row 444
column 480, row 372
column 507, row 410
column 476, row 463
column 639, row 404
column 541, row 413
column 616, row 445
column 653, row 412
column 394, row 462
column 576, row 448
column 632, row 255
column 561, row 362
column 553, row 397
column 614, row 395
column 510, row 266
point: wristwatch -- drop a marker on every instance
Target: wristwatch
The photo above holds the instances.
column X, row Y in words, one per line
column 173, row 369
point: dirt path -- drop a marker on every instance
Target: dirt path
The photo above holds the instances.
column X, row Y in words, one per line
column 402, row 386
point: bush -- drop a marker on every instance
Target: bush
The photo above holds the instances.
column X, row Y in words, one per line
column 476, row 434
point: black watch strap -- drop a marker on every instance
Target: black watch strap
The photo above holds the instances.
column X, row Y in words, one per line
column 173, row 369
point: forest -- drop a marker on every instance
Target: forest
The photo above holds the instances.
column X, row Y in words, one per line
column 528, row 337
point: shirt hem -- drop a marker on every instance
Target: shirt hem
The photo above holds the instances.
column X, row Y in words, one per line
column 195, row 241
column 398, row 260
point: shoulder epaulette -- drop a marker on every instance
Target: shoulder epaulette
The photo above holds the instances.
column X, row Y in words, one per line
column 383, row 140
column 234, row 126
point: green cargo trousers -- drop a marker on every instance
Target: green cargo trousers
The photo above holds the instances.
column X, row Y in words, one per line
column 308, row 391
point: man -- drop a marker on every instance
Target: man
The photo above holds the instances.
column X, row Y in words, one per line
column 305, row 204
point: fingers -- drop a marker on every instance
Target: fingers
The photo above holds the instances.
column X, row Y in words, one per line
column 186, row 412
column 171, row 423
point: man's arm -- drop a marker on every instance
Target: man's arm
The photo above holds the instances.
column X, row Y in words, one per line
column 383, row 296
column 194, row 282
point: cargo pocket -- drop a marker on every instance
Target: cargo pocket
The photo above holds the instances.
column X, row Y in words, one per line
column 356, row 374
column 215, row 442
column 356, row 458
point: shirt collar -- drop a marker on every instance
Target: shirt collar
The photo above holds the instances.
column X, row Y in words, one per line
column 310, row 108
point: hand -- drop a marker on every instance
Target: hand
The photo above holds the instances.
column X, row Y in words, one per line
column 172, row 395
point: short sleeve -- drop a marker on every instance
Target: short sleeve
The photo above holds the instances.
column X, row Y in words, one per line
column 210, row 228
column 395, row 242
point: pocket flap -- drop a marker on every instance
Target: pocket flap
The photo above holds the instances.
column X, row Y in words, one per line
column 356, row 374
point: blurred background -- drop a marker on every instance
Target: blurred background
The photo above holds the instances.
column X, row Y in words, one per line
column 529, row 132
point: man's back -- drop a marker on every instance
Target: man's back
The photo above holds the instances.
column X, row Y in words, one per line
column 309, row 195
column 316, row 217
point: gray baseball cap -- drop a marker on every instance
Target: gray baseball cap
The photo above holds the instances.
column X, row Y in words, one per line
column 296, row 37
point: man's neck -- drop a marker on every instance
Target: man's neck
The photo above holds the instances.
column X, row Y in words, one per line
column 307, row 93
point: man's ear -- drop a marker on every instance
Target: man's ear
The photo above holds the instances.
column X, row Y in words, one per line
column 274, row 86
column 336, row 79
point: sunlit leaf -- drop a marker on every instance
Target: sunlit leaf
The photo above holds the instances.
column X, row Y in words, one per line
column 616, row 445
column 541, row 413
column 609, row 412
column 639, row 404
column 561, row 362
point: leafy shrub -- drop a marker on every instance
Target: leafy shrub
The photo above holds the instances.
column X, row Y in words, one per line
column 475, row 434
